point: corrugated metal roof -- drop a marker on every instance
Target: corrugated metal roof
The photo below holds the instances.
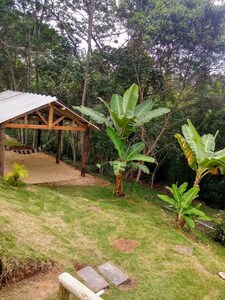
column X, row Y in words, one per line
column 16, row 104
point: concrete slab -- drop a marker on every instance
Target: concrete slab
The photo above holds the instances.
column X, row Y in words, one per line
column 92, row 279
column 113, row 273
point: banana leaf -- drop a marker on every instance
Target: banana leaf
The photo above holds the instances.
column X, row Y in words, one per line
column 118, row 166
column 143, row 107
column 194, row 141
column 118, row 143
column 189, row 154
column 93, row 114
column 130, row 99
column 135, row 149
column 141, row 157
column 141, row 167
column 149, row 115
column 116, row 105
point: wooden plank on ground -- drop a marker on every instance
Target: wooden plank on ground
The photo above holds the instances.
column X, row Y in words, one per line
column 113, row 273
column 92, row 279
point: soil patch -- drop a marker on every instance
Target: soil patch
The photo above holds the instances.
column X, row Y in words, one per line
column 37, row 287
column 42, row 168
column 130, row 285
column 183, row 250
column 94, row 208
column 14, row 271
column 126, row 246
column 79, row 266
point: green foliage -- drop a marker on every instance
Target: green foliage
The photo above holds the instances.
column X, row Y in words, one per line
column 200, row 152
column 182, row 204
column 16, row 176
column 124, row 117
column 124, row 113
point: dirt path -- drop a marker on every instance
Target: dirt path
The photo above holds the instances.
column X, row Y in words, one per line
column 38, row 287
column 43, row 169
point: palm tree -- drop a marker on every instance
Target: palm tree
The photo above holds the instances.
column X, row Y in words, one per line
column 124, row 118
column 200, row 152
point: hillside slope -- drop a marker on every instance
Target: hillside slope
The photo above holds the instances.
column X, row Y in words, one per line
column 75, row 226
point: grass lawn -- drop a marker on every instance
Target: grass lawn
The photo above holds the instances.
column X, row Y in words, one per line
column 78, row 225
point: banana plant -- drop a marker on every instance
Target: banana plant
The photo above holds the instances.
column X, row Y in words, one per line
column 200, row 152
column 124, row 113
column 182, row 203
column 124, row 117
column 127, row 156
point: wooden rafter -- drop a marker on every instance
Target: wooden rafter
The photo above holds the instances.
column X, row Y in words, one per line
column 41, row 117
column 58, row 120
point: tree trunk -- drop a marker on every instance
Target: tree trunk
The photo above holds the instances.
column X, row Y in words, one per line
column 180, row 221
column 118, row 192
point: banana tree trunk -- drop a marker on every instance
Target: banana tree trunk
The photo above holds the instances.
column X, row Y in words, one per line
column 118, row 192
column 180, row 221
column 197, row 180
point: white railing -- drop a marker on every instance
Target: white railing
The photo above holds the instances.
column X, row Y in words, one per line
column 70, row 285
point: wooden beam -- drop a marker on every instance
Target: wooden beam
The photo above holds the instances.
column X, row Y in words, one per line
column 58, row 120
column 41, row 117
column 50, row 116
column 2, row 148
column 68, row 117
column 58, row 149
column 85, row 152
column 36, row 126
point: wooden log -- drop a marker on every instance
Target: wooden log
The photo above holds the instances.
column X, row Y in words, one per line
column 85, row 152
column 76, row 288
column 59, row 143
column 64, row 294
column 2, row 148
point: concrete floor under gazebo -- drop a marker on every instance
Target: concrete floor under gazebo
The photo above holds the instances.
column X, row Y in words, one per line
column 43, row 169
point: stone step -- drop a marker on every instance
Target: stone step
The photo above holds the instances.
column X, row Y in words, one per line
column 113, row 273
column 92, row 279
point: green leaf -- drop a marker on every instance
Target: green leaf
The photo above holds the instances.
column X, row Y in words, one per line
column 124, row 125
column 118, row 166
column 149, row 115
column 195, row 142
column 167, row 199
column 118, row 142
column 189, row 221
column 209, row 144
column 194, row 211
column 94, row 115
column 204, row 218
column 116, row 105
column 141, row 167
column 176, row 194
column 189, row 196
column 182, row 188
column 189, row 154
column 135, row 149
column 98, row 166
column 143, row 107
column 141, row 157
column 130, row 99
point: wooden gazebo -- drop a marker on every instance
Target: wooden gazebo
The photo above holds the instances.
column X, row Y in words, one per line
column 33, row 111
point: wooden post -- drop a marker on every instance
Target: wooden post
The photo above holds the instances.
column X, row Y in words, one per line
column 76, row 288
column 59, row 146
column 64, row 294
column 2, row 148
column 85, row 152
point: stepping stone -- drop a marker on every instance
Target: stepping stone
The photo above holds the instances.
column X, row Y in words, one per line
column 113, row 273
column 92, row 279
column 222, row 275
